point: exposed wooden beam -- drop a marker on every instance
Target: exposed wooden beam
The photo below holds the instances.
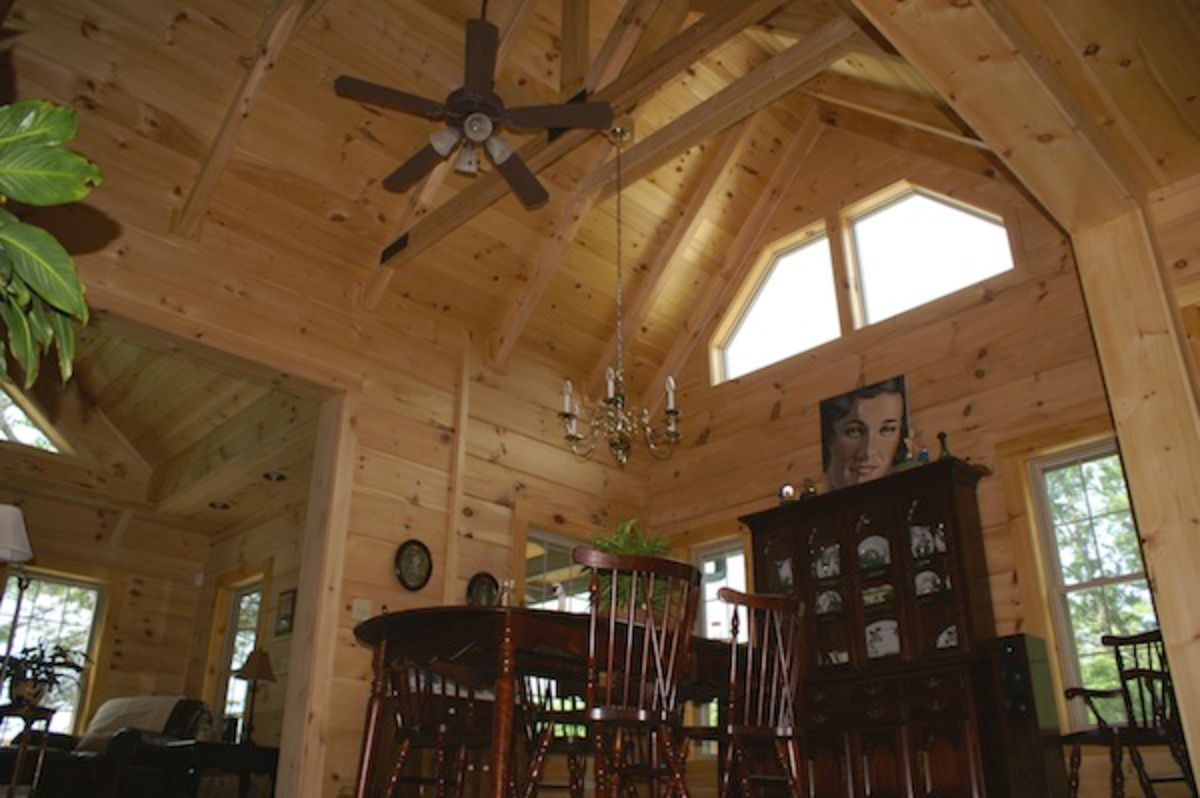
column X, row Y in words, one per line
column 457, row 475
column 251, row 442
column 619, row 44
column 910, row 139
column 546, row 265
column 511, row 28
column 575, row 52
column 1057, row 137
column 892, row 106
column 281, row 21
column 664, row 25
column 683, row 230
column 739, row 257
column 623, row 93
column 746, row 95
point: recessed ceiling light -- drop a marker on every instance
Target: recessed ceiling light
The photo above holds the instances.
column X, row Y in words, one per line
column 220, row 505
column 274, row 476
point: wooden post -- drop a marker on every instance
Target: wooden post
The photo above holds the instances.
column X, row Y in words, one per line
column 304, row 742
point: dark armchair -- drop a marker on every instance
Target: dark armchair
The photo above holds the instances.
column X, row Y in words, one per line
column 125, row 751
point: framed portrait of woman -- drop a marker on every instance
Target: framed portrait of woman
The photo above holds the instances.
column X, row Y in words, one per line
column 863, row 433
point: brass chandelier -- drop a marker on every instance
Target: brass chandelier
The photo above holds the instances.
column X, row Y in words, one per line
column 612, row 419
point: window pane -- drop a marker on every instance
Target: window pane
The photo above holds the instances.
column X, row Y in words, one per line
column 53, row 613
column 793, row 310
column 1106, row 491
column 1067, row 493
column 552, row 580
column 242, row 639
column 1121, row 609
column 18, row 427
column 918, row 248
column 1077, row 554
column 1099, row 672
column 723, row 569
column 1116, row 541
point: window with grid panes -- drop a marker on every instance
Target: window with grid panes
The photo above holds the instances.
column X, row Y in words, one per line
column 54, row 612
column 1098, row 581
column 241, row 636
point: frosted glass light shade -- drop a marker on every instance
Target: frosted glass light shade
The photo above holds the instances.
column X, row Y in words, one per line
column 14, row 539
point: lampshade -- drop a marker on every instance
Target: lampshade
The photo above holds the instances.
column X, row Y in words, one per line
column 256, row 668
column 14, row 540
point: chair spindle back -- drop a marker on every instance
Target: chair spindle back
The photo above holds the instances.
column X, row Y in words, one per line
column 642, row 612
column 765, row 673
column 1148, row 693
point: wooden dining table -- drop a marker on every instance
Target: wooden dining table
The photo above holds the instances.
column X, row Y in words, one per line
column 499, row 644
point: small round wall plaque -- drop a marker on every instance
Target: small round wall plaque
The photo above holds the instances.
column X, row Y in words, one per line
column 413, row 564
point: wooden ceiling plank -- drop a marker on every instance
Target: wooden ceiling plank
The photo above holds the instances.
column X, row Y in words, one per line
column 278, row 26
column 511, row 28
column 575, row 55
column 247, row 443
column 892, row 106
column 683, row 229
column 666, row 23
column 915, row 140
column 740, row 256
column 552, row 255
column 623, row 93
column 746, row 95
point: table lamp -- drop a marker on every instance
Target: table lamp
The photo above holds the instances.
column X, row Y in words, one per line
column 256, row 668
column 14, row 548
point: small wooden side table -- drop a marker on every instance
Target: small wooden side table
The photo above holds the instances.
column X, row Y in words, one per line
column 241, row 759
column 29, row 714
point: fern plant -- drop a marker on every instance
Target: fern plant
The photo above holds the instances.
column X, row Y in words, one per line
column 40, row 293
column 628, row 538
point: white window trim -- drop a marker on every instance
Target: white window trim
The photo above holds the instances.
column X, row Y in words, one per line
column 1057, row 589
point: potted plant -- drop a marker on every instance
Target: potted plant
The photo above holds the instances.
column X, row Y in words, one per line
column 628, row 538
column 39, row 669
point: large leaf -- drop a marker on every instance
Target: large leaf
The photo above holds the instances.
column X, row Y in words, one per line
column 39, row 323
column 42, row 262
column 46, row 175
column 64, row 341
column 37, row 122
column 20, row 341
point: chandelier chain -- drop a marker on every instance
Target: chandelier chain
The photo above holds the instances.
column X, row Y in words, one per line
column 620, row 304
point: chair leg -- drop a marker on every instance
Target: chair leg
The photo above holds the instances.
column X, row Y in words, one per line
column 672, row 757
column 1073, row 776
column 603, row 777
column 1139, row 767
column 538, row 761
column 397, row 766
column 1118, row 775
column 576, row 769
column 788, row 755
column 726, row 790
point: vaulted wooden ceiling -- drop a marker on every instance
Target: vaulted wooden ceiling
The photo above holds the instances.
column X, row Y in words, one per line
column 155, row 432
column 725, row 99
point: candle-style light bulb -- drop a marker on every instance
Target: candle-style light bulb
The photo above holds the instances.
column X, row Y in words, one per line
column 670, row 393
column 566, row 397
column 610, row 379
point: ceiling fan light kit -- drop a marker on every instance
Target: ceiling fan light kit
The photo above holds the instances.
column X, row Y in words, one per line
column 474, row 116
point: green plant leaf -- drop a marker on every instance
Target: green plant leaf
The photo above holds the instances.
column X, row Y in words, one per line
column 42, row 262
column 39, row 323
column 37, row 122
column 46, row 175
column 64, row 343
column 20, row 341
column 7, row 218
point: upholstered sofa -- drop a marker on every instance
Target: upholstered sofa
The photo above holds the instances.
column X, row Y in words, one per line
column 130, row 749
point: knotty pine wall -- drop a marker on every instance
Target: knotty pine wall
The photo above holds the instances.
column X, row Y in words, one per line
column 993, row 363
column 147, row 574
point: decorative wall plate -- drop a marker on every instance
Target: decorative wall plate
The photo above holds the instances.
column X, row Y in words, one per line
column 829, row 602
column 413, row 564
column 883, row 639
column 828, row 562
column 483, row 590
column 874, row 553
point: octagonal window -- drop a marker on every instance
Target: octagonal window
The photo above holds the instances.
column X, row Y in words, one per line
column 918, row 247
column 791, row 310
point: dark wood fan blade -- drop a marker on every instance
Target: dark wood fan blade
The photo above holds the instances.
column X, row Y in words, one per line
column 524, row 182
column 373, row 93
column 412, row 170
column 598, row 116
column 483, row 40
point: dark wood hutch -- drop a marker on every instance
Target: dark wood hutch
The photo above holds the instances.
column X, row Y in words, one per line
column 909, row 692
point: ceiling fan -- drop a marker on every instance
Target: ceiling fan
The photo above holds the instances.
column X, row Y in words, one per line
column 474, row 115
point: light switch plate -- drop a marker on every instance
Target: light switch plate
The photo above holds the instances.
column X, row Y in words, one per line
column 360, row 608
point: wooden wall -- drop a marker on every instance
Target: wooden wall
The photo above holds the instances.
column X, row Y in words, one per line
column 147, row 573
column 990, row 364
column 271, row 547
